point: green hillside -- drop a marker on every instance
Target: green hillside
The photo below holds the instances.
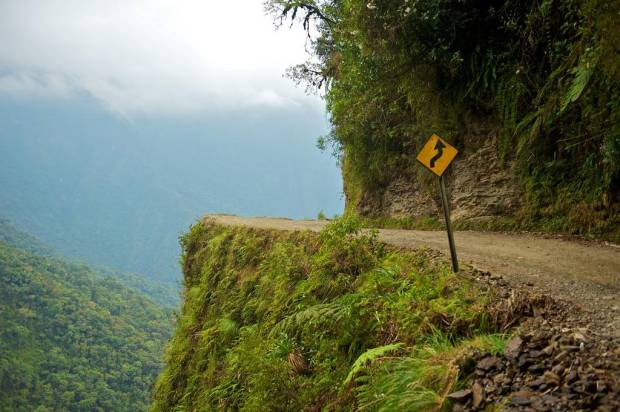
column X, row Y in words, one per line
column 276, row 321
column 21, row 240
column 161, row 292
column 71, row 340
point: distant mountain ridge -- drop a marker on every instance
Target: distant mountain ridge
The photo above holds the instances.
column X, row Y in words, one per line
column 22, row 240
column 118, row 192
column 162, row 293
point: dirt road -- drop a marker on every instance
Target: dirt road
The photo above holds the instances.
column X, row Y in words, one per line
column 583, row 272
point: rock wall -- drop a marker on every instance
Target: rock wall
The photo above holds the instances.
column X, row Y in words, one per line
column 480, row 186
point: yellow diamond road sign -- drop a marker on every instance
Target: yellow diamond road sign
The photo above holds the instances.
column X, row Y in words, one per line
column 436, row 155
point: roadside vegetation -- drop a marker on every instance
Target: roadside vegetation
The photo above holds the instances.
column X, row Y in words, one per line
column 542, row 77
column 494, row 224
column 277, row 320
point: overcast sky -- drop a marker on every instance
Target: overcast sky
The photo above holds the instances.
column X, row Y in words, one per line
column 150, row 57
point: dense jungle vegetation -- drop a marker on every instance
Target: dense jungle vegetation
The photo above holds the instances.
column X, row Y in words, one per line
column 71, row 339
column 277, row 320
column 545, row 74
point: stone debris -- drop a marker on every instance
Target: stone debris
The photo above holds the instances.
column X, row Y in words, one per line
column 586, row 378
column 561, row 360
column 488, row 363
column 513, row 348
column 477, row 394
column 460, row 396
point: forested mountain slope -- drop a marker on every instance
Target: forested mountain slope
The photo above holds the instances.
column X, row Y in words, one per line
column 70, row 340
column 529, row 91
column 163, row 293
column 22, row 240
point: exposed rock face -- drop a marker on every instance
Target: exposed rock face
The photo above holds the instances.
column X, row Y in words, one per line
column 404, row 197
column 479, row 186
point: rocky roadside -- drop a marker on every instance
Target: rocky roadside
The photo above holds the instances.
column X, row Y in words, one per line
column 559, row 358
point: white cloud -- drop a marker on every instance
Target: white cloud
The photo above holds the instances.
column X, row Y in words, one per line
column 40, row 86
column 150, row 56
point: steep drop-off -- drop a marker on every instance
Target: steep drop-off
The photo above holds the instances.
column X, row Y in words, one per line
column 290, row 321
column 338, row 321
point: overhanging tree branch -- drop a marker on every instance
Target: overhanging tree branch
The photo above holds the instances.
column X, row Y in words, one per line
column 283, row 8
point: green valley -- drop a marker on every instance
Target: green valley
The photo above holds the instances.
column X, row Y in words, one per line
column 158, row 177
column 71, row 339
column 163, row 293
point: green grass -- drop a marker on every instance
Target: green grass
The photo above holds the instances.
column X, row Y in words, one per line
column 422, row 378
column 294, row 321
column 409, row 223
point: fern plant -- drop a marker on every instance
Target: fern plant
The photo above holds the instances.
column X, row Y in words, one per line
column 368, row 357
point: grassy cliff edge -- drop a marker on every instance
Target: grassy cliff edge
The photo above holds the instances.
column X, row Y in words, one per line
column 276, row 320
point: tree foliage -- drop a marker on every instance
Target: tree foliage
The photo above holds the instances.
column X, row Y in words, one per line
column 161, row 293
column 544, row 73
column 73, row 341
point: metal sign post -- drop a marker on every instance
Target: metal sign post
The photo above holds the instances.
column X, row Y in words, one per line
column 436, row 156
column 446, row 214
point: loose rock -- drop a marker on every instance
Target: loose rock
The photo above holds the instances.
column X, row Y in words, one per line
column 513, row 347
column 522, row 398
column 460, row 396
column 564, row 362
column 477, row 393
column 488, row 363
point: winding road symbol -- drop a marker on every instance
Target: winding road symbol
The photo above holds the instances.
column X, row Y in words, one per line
column 437, row 154
column 439, row 146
